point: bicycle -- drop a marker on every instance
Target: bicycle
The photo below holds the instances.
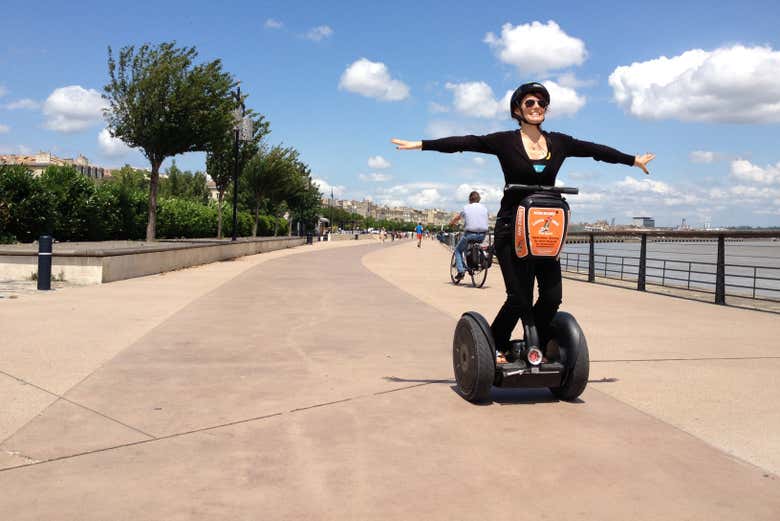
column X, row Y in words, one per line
column 478, row 258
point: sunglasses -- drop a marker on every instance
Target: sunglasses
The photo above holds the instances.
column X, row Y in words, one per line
column 531, row 102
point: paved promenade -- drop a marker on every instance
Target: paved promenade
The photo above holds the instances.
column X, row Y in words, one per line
column 316, row 383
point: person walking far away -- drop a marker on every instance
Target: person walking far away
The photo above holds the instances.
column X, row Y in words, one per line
column 419, row 231
column 529, row 156
column 475, row 226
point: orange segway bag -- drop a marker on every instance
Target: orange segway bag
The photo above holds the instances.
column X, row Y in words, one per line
column 541, row 224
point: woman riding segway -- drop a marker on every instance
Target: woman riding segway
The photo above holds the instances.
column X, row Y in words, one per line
column 528, row 156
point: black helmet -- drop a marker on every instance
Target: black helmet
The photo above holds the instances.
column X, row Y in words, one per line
column 522, row 91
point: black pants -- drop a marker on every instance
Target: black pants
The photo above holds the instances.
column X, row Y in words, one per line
column 519, row 275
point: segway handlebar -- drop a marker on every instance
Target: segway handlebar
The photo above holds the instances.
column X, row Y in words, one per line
column 542, row 188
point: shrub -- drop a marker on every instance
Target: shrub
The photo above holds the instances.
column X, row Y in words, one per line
column 27, row 207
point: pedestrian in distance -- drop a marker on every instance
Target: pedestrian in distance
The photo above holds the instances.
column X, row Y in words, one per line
column 529, row 156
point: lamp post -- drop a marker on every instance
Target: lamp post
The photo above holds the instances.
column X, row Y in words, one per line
column 235, row 159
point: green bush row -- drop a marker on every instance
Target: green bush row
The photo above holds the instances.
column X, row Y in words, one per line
column 71, row 207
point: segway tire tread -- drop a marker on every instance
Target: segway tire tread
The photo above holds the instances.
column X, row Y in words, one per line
column 473, row 357
column 571, row 338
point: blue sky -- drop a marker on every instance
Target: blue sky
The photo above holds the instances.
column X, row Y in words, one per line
column 695, row 83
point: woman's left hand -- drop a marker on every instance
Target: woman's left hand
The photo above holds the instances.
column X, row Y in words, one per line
column 641, row 161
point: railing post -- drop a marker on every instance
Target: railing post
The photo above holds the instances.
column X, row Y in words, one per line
column 720, row 272
column 592, row 261
column 640, row 280
column 44, row 262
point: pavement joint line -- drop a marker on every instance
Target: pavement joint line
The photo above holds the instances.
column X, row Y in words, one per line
column 700, row 359
column 194, row 431
column 68, row 401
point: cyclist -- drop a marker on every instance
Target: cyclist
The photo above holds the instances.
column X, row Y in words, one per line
column 531, row 156
column 475, row 226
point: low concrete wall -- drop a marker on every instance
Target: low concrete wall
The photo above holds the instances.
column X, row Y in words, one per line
column 93, row 265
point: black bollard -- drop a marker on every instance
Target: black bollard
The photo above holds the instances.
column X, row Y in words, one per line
column 44, row 262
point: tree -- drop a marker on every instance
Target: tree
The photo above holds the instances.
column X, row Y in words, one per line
column 267, row 178
column 304, row 197
column 184, row 185
column 221, row 157
column 25, row 205
column 162, row 103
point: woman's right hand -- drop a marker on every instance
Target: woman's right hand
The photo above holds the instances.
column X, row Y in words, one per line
column 402, row 144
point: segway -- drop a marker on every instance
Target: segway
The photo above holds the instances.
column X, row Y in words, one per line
column 562, row 365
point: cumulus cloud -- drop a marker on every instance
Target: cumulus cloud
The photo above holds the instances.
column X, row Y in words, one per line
column 73, row 109
column 111, row 146
column 24, row 103
column 702, row 156
column 443, row 128
column 3, row 91
column 4, row 129
column 537, row 48
column 373, row 80
column 480, row 161
column 564, row 101
column 735, row 84
column 273, row 24
column 632, row 184
column 325, row 188
column 487, row 193
column 378, row 162
column 743, row 170
column 375, row 177
column 476, row 99
column 319, row 33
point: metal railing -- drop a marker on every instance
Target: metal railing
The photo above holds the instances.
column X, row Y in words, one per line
column 718, row 278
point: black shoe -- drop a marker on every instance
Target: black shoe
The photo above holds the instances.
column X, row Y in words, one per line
column 460, row 276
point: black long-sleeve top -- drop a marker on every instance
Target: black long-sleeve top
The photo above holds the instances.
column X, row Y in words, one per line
column 518, row 167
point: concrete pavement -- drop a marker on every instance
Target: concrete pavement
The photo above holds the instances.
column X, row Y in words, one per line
column 316, row 383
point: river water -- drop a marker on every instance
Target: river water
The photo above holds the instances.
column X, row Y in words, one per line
column 752, row 266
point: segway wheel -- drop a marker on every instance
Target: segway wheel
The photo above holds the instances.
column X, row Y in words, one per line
column 574, row 355
column 473, row 357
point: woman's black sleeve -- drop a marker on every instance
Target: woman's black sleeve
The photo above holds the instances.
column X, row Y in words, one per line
column 484, row 144
column 577, row 148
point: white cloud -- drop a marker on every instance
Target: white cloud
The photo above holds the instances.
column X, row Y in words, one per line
column 564, row 101
column 426, row 198
column 375, row 177
column 373, row 80
column 632, row 184
column 570, row 80
column 273, row 24
column 728, row 85
column 73, row 108
column 702, row 156
column 111, row 146
column 536, row 48
column 4, row 129
column 325, row 188
column 743, row 170
column 476, row 99
column 319, row 33
column 487, row 193
column 437, row 108
column 480, row 161
column 24, row 103
column 378, row 162
column 3, row 91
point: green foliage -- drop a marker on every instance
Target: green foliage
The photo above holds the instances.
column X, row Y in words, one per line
column 72, row 192
column 184, row 185
column 25, row 206
column 131, row 178
column 162, row 103
column 185, row 218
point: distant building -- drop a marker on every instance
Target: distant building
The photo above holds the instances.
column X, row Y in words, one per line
column 37, row 163
column 644, row 222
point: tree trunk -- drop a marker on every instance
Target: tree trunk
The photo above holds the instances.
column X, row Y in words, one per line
column 276, row 226
column 151, row 225
column 257, row 217
column 220, row 198
column 289, row 226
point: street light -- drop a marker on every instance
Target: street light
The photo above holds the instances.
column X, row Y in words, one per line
column 235, row 159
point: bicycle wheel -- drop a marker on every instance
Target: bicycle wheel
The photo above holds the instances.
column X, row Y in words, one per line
column 454, row 269
column 479, row 274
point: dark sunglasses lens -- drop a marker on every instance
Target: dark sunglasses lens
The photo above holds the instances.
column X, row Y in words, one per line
column 530, row 103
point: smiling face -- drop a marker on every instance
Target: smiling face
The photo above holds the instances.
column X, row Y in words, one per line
column 533, row 114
